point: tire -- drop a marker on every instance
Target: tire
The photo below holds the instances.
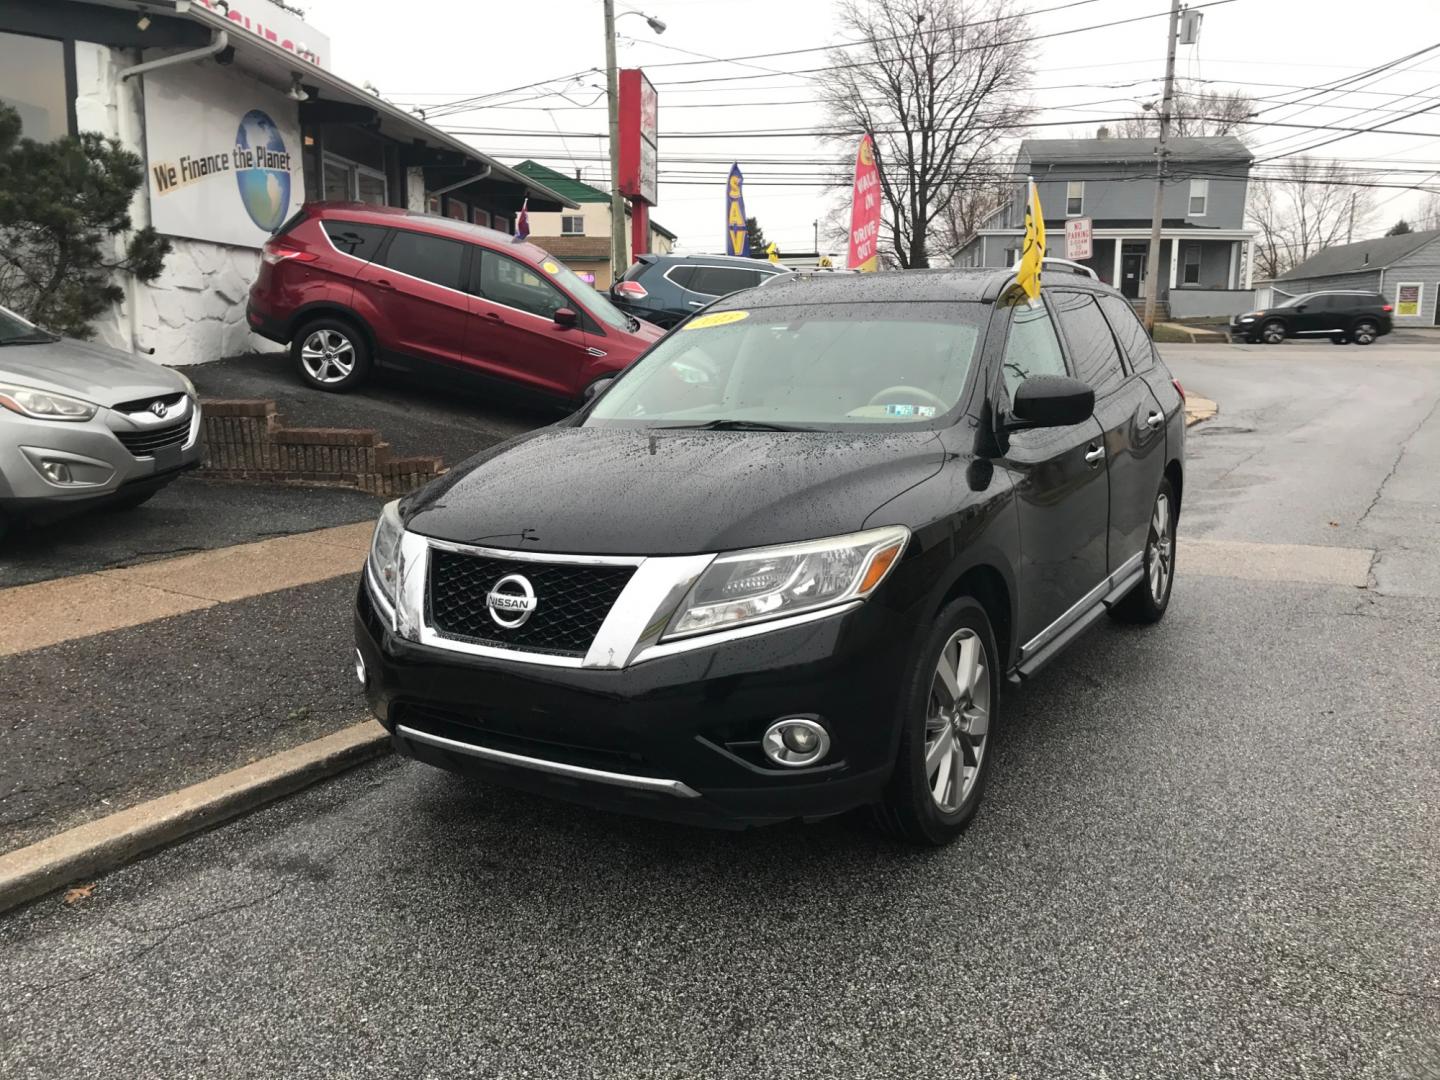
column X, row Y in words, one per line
column 1365, row 332
column 910, row 808
column 1273, row 332
column 1339, row 339
column 1147, row 602
column 331, row 354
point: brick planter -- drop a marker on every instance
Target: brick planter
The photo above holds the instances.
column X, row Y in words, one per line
column 244, row 440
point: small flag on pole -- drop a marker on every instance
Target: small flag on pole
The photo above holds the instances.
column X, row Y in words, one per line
column 522, row 222
column 1027, row 274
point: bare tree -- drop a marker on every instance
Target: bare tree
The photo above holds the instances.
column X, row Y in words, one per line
column 1194, row 113
column 1307, row 206
column 1428, row 216
column 939, row 85
column 983, row 192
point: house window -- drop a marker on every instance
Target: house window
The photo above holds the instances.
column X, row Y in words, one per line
column 347, row 181
column 432, row 204
column 32, row 81
column 572, row 225
column 499, row 223
column 480, row 217
column 1199, row 197
column 1192, row 264
column 1075, row 198
column 457, row 210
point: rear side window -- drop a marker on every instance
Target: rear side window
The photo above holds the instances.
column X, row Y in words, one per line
column 1130, row 333
column 1092, row 346
column 1032, row 347
column 682, row 275
column 722, row 280
column 292, row 222
column 427, row 257
column 351, row 238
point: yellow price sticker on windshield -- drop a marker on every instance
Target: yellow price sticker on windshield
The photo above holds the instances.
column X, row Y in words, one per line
column 549, row 268
column 716, row 318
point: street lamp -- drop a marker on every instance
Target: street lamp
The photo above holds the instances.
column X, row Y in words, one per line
column 612, row 86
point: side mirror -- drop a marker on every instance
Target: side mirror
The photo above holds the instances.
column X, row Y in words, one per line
column 1043, row 401
column 566, row 319
column 598, row 387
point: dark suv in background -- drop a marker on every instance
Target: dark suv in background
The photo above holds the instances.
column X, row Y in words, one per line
column 1341, row 316
column 663, row 289
column 781, row 566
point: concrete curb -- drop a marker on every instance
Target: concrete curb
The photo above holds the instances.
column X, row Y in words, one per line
column 97, row 846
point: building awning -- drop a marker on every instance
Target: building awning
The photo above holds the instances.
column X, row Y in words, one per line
column 426, row 145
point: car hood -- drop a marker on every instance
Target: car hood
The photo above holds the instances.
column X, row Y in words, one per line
column 95, row 373
column 607, row 491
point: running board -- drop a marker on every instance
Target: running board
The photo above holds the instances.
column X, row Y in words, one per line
column 1079, row 626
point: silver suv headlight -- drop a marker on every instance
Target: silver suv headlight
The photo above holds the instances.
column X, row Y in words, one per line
column 44, row 404
column 769, row 583
column 383, row 567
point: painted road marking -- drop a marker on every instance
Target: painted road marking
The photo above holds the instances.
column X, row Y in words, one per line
column 1275, row 562
column 50, row 612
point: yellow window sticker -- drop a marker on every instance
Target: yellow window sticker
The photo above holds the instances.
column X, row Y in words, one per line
column 550, row 268
column 716, row 318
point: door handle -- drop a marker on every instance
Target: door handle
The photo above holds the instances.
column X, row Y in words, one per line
column 1155, row 419
column 382, row 283
column 494, row 316
column 1094, row 454
column 697, row 303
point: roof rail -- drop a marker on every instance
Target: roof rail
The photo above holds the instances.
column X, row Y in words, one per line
column 1079, row 268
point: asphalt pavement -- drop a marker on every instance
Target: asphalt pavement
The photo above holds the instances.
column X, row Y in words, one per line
column 1209, row 848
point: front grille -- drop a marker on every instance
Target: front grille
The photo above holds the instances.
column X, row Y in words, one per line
column 144, row 443
column 571, row 601
column 548, row 738
column 141, row 405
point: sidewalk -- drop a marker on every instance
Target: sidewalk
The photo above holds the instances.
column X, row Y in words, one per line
column 1198, row 409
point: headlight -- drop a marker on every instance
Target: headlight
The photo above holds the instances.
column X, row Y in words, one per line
column 44, row 405
column 1250, row 316
column 384, row 563
column 767, row 583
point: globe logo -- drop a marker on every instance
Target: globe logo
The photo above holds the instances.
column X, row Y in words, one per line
column 262, row 170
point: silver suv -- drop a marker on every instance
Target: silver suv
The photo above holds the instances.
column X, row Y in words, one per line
column 83, row 424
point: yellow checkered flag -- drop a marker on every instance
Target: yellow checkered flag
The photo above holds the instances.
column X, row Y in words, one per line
column 1027, row 274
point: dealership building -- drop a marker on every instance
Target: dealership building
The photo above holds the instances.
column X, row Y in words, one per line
column 239, row 120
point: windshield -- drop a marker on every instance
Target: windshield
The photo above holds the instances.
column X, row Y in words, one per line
column 810, row 366
column 587, row 295
column 1296, row 301
column 15, row 331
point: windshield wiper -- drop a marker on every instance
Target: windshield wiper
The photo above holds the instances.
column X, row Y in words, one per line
column 30, row 339
column 734, row 425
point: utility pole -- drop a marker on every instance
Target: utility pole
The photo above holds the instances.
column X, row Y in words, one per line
column 1162, row 171
column 618, row 262
column 1350, row 230
column 817, row 238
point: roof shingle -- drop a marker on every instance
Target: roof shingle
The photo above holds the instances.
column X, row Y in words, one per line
column 1361, row 255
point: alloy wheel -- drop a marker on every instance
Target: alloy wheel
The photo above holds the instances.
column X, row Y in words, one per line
column 957, row 725
column 1273, row 333
column 1160, row 552
column 1364, row 333
column 328, row 356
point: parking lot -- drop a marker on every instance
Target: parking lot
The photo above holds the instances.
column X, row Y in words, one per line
column 1209, row 849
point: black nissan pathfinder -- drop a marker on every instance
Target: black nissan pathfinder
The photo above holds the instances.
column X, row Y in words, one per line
column 782, row 566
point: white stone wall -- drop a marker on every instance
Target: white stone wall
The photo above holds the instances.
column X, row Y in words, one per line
column 195, row 311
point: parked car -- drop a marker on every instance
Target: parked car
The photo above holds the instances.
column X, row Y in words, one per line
column 1341, row 316
column 82, row 425
column 349, row 286
column 668, row 288
column 782, row 565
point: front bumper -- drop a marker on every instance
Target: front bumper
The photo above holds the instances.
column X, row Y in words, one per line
column 681, row 732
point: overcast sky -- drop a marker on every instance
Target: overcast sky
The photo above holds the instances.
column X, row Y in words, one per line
column 428, row 52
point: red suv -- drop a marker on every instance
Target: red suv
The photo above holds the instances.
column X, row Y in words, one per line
column 348, row 286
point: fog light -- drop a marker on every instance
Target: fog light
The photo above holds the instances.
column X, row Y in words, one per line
column 360, row 667
column 795, row 742
column 57, row 472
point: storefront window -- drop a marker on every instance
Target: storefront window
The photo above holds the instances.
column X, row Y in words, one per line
column 346, row 181
column 32, row 81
